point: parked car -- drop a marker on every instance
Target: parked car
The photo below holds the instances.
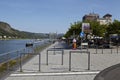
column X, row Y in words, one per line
column 106, row 45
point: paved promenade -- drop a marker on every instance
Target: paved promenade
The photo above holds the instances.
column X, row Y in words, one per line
column 55, row 70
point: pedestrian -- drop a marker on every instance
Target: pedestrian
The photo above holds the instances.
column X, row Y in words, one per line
column 74, row 43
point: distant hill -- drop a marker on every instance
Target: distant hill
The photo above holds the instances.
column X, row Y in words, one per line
column 9, row 32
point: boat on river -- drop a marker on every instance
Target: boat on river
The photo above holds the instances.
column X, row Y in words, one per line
column 29, row 44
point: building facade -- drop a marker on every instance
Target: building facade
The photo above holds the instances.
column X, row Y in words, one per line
column 90, row 17
column 106, row 19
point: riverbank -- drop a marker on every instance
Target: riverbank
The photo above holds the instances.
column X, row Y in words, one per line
column 13, row 64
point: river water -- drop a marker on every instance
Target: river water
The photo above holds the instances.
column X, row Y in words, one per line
column 11, row 49
column 11, row 45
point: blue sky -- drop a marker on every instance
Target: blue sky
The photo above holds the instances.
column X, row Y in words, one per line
column 44, row 16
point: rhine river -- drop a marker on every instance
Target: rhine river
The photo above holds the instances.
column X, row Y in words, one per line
column 11, row 49
column 11, row 45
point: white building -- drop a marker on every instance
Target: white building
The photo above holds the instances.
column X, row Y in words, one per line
column 107, row 19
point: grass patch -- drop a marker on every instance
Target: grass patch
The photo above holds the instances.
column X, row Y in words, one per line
column 40, row 48
column 5, row 66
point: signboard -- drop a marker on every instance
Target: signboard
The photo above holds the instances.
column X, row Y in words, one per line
column 85, row 27
column 82, row 34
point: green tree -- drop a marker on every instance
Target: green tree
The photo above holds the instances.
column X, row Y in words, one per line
column 74, row 29
column 114, row 28
column 96, row 28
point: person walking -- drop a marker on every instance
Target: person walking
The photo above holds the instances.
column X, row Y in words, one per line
column 74, row 44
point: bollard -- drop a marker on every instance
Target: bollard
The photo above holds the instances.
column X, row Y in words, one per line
column 117, row 49
column 62, row 59
column 63, row 51
column 39, row 61
column 47, row 58
column 70, row 61
column 88, row 60
column 102, row 49
column 20, row 62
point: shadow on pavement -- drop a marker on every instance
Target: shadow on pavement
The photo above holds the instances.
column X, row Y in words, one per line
column 111, row 73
